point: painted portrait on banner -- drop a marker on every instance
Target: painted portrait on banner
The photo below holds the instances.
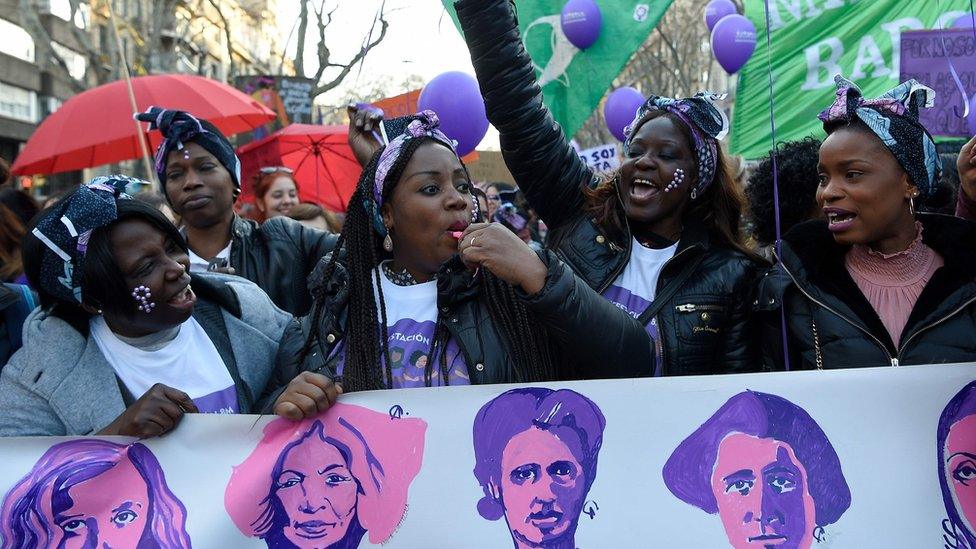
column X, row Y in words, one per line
column 94, row 493
column 327, row 481
column 957, row 468
column 536, row 456
column 766, row 468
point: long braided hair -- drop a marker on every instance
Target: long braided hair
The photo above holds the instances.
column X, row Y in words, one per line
column 366, row 363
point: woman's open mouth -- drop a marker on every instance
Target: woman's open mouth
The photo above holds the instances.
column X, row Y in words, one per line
column 643, row 190
column 839, row 220
column 183, row 299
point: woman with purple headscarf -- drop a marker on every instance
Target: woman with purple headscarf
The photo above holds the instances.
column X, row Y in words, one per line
column 874, row 283
column 62, row 501
column 659, row 239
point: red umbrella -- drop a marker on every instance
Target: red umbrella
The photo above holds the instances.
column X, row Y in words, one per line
column 96, row 127
column 320, row 156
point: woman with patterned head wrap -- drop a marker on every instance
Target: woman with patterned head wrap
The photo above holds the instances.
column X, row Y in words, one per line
column 201, row 178
column 457, row 301
column 875, row 283
column 661, row 238
column 126, row 339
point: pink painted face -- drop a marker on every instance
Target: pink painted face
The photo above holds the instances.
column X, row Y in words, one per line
column 762, row 494
column 542, row 487
column 960, row 467
column 318, row 493
column 103, row 516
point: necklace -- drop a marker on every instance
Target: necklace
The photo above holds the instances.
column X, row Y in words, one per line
column 401, row 278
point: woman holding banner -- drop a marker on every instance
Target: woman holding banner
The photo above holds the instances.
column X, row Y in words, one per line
column 454, row 301
column 875, row 283
column 126, row 341
column 660, row 239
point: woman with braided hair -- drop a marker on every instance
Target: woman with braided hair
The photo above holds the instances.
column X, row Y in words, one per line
column 460, row 301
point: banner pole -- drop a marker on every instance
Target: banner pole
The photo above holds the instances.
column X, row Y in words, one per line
column 143, row 146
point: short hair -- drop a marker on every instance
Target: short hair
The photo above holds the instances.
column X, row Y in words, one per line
column 44, row 492
column 558, row 411
column 798, row 179
column 687, row 473
column 307, row 211
column 961, row 406
column 103, row 285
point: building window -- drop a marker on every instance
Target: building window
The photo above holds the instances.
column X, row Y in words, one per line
column 18, row 103
column 16, row 41
column 62, row 10
column 75, row 61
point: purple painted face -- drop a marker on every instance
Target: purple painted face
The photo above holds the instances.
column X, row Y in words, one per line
column 761, row 490
column 542, row 488
column 101, row 514
column 318, row 493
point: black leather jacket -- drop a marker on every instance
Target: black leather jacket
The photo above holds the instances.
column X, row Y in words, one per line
column 278, row 256
column 706, row 327
column 832, row 325
column 594, row 338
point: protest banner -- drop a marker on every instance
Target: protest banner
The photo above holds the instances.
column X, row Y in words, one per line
column 573, row 80
column 290, row 97
column 812, row 40
column 602, row 158
column 880, row 457
column 925, row 56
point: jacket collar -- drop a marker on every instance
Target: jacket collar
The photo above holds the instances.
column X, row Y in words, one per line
column 216, row 291
column 241, row 228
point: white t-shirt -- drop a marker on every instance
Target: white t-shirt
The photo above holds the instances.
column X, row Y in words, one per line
column 411, row 315
column 199, row 264
column 190, row 363
column 635, row 288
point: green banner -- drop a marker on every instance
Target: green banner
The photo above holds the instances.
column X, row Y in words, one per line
column 573, row 80
column 812, row 40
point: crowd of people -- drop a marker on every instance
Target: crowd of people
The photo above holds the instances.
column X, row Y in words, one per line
column 154, row 307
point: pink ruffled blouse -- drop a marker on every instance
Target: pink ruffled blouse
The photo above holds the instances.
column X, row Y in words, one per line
column 892, row 283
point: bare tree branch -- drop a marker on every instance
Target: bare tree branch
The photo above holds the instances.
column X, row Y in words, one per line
column 230, row 48
column 300, row 47
column 347, row 68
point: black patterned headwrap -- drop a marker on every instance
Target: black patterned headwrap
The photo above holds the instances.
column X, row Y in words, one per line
column 178, row 129
column 66, row 227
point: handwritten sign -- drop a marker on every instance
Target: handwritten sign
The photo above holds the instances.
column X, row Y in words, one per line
column 925, row 57
column 875, row 457
column 602, row 158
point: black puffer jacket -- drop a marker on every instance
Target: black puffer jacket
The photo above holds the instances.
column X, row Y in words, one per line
column 278, row 256
column 832, row 325
column 594, row 338
column 706, row 326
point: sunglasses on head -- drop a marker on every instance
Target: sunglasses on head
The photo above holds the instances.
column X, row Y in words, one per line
column 273, row 169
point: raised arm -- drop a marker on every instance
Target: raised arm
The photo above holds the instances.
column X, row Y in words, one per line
column 544, row 164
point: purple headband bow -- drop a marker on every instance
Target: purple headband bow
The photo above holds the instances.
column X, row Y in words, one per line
column 426, row 125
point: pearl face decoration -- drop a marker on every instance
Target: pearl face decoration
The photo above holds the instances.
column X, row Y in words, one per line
column 679, row 179
column 142, row 295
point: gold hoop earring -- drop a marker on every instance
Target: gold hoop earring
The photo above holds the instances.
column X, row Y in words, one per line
column 911, row 203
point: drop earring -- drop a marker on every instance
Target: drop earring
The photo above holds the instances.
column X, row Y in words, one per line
column 388, row 243
column 911, row 203
column 679, row 179
column 142, row 295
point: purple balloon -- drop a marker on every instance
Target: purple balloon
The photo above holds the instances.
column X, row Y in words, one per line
column 456, row 99
column 733, row 41
column 963, row 22
column 620, row 109
column 580, row 21
column 716, row 10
